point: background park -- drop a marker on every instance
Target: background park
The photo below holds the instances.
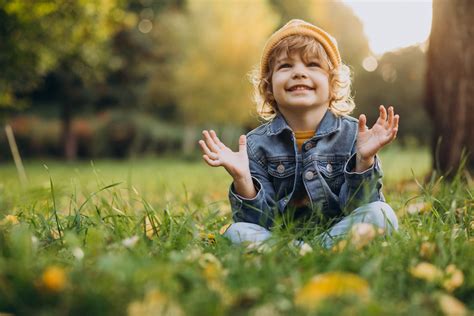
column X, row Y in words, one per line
column 106, row 206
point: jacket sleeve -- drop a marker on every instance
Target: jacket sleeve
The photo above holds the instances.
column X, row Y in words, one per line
column 360, row 187
column 260, row 209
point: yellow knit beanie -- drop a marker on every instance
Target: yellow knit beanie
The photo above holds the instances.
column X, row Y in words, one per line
column 300, row 27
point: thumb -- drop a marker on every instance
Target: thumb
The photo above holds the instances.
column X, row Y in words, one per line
column 362, row 123
column 243, row 144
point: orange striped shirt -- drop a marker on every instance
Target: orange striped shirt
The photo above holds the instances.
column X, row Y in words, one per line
column 302, row 136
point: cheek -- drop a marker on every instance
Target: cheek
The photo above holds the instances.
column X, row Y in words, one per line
column 324, row 83
column 277, row 85
column 274, row 80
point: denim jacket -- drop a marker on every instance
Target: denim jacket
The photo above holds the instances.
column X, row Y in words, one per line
column 323, row 169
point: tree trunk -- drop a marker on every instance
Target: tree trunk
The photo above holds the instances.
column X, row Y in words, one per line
column 450, row 83
column 69, row 140
column 70, row 97
column 189, row 140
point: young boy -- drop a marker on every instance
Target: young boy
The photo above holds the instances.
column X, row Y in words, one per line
column 310, row 157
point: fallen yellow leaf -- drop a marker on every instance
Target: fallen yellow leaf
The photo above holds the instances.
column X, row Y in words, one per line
column 331, row 284
column 340, row 246
column 362, row 234
column 451, row 306
column 305, row 249
column 10, row 219
column 426, row 271
column 212, row 267
column 419, row 207
column 150, row 230
column 427, row 249
column 454, row 278
column 224, row 229
column 154, row 303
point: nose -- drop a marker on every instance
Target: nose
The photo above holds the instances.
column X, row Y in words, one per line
column 299, row 71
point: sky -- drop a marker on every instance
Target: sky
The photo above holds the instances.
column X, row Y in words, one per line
column 392, row 24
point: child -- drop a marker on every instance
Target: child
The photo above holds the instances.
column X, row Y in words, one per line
column 310, row 157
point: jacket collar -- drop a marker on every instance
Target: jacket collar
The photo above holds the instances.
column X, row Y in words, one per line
column 329, row 124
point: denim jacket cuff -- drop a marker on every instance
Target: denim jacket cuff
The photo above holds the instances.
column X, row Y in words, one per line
column 354, row 179
column 237, row 200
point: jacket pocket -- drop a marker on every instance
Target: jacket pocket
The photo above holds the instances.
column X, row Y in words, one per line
column 282, row 175
column 332, row 172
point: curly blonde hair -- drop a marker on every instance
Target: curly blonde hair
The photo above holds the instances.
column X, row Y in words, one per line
column 341, row 101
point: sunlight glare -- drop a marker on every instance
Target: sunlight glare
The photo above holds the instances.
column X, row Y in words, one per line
column 390, row 25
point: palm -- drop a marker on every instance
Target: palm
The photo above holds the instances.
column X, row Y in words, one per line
column 370, row 141
column 234, row 162
column 218, row 154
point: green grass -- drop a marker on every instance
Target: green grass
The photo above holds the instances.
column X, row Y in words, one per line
column 179, row 264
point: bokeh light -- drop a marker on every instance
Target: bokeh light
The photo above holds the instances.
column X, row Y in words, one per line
column 370, row 63
column 145, row 26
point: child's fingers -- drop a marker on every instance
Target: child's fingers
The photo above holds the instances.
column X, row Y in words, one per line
column 392, row 133
column 383, row 113
column 210, row 162
column 396, row 119
column 242, row 143
column 206, row 150
column 210, row 142
column 390, row 117
column 217, row 140
column 362, row 123
column 395, row 125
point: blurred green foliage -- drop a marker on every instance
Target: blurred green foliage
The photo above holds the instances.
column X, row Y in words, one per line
column 38, row 35
column 182, row 62
column 115, row 133
column 219, row 44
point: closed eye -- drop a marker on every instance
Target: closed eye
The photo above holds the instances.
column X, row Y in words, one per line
column 284, row 66
column 314, row 64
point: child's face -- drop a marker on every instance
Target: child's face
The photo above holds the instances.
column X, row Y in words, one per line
column 299, row 84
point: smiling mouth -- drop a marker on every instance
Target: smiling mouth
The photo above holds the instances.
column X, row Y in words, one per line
column 299, row 88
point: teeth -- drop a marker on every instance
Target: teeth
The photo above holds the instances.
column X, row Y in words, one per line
column 299, row 88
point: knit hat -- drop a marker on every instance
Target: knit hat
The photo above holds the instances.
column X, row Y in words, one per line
column 300, row 27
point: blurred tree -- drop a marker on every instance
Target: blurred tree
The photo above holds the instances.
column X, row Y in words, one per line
column 216, row 46
column 38, row 36
column 140, row 63
column 450, row 82
column 184, row 61
column 398, row 80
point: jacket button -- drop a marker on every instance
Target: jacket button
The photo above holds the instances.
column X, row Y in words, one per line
column 281, row 168
column 329, row 167
column 309, row 175
column 308, row 146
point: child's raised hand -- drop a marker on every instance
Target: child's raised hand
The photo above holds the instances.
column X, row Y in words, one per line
column 217, row 154
column 370, row 141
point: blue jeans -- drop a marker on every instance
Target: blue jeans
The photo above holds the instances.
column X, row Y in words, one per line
column 379, row 214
